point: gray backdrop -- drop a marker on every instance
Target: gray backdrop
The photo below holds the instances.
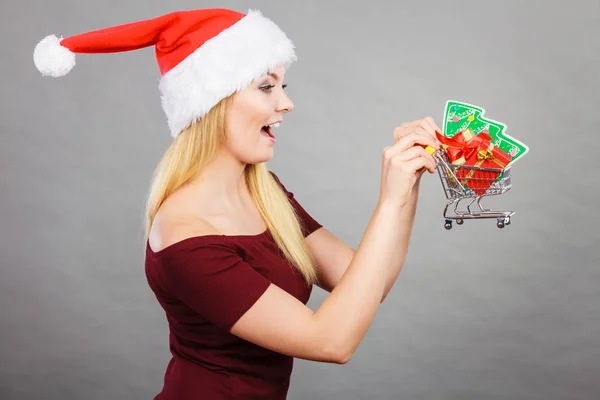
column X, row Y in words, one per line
column 478, row 312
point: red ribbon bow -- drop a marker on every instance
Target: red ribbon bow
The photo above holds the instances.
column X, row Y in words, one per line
column 460, row 149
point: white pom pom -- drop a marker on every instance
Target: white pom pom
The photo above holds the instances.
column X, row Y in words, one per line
column 51, row 58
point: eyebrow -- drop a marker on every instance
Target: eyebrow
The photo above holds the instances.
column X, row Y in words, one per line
column 276, row 77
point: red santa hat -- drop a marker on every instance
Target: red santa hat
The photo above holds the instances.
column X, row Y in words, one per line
column 203, row 55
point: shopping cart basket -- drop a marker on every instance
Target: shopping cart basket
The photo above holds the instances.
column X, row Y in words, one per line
column 485, row 182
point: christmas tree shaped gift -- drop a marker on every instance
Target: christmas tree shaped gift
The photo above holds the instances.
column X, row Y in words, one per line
column 470, row 139
column 459, row 117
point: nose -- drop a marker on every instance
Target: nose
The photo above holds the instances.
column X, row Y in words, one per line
column 284, row 104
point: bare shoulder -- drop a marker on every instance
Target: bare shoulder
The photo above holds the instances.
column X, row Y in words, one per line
column 172, row 225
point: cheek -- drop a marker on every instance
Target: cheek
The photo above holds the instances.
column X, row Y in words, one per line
column 242, row 140
column 244, row 120
column 244, row 127
column 242, row 133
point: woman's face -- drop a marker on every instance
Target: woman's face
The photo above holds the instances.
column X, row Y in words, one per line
column 251, row 116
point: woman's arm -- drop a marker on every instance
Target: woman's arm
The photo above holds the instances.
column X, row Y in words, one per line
column 333, row 256
column 332, row 333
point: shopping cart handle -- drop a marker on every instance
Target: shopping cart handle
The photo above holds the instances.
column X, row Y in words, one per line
column 430, row 149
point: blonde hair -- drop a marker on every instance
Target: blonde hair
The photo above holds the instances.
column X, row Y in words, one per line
column 192, row 150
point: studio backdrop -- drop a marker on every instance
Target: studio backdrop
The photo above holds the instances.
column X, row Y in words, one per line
column 477, row 313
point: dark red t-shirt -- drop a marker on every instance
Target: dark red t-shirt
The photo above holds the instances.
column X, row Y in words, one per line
column 205, row 284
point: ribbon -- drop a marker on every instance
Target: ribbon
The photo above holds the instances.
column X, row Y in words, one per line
column 463, row 145
column 499, row 158
column 484, row 155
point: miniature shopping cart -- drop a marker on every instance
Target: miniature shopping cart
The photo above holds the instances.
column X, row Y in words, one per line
column 470, row 184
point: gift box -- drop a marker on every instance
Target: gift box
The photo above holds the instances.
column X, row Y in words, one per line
column 473, row 152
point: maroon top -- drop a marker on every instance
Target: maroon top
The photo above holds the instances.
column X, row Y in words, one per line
column 205, row 284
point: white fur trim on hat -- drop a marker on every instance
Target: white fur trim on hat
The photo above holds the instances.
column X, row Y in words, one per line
column 222, row 66
column 51, row 58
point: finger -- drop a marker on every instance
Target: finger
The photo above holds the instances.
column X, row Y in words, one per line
column 401, row 130
column 431, row 163
column 418, row 163
column 414, row 138
column 435, row 127
column 423, row 131
column 427, row 126
column 411, row 154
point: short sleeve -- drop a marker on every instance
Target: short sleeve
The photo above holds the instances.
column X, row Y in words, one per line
column 212, row 279
column 307, row 223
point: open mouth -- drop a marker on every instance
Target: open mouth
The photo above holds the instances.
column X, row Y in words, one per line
column 266, row 130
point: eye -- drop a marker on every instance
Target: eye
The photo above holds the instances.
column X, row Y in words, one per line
column 267, row 88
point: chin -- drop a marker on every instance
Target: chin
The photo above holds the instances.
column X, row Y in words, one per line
column 259, row 158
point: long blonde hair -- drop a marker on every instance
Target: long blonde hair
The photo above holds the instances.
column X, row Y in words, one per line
column 197, row 146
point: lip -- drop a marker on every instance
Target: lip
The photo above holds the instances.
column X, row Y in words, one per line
column 271, row 139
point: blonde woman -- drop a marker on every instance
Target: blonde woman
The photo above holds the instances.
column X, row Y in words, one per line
column 231, row 255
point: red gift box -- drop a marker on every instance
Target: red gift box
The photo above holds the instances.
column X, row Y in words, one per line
column 467, row 149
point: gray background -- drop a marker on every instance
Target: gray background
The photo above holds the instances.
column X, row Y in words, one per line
column 478, row 312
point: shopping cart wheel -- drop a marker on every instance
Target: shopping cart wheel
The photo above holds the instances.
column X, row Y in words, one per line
column 448, row 224
column 459, row 221
column 500, row 223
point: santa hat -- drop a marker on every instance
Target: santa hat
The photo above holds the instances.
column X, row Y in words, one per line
column 203, row 55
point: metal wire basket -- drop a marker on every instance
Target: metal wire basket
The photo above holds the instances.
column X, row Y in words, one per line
column 470, row 183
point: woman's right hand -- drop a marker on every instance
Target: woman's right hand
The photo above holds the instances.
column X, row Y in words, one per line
column 402, row 163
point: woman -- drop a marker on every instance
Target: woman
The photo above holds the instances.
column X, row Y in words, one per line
column 231, row 255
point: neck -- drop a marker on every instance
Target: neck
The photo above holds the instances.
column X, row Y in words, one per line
column 222, row 184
